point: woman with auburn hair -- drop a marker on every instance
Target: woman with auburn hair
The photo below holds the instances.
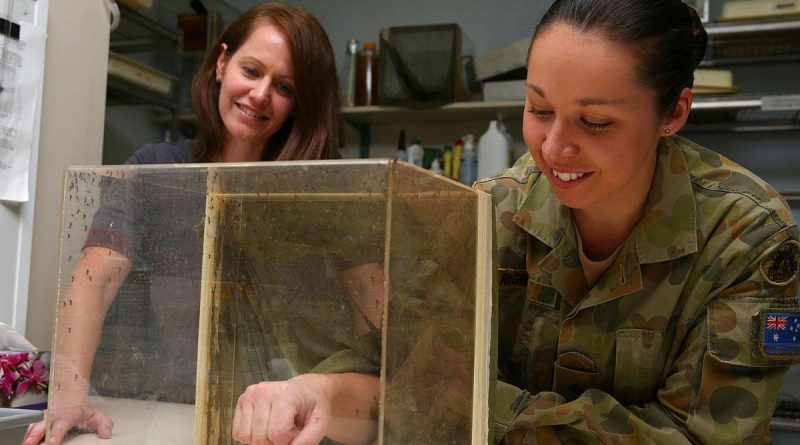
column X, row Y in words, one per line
column 267, row 90
column 311, row 129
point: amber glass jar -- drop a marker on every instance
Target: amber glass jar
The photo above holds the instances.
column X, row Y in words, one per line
column 367, row 75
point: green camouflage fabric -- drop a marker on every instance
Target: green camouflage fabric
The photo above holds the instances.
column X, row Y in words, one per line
column 665, row 347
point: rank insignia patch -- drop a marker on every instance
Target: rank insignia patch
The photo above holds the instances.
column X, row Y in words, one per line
column 780, row 333
column 781, row 267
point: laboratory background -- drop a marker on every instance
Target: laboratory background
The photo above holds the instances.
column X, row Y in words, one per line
column 117, row 76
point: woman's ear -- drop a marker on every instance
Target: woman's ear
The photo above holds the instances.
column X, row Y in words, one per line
column 221, row 60
column 677, row 119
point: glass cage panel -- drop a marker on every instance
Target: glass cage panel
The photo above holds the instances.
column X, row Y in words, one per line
column 200, row 280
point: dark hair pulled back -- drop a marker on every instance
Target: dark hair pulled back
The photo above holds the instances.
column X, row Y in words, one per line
column 666, row 35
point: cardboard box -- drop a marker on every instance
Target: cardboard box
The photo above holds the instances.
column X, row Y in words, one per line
column 501, row 60
column 137, row 5
column 713, row 81
column 196, row 29
column 759, row 9
column 137, row 73
column 504, row 90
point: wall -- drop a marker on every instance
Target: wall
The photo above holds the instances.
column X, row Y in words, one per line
column 360, row 19
column 73, row 109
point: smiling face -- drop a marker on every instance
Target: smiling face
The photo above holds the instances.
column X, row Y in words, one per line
column 257, row 89
column 590, row 125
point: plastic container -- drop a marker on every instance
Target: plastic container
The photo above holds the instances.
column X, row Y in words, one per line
column 415, row 152
column 367, row 75
column 494, row 151
column 348, row 74
column 14, row 424
column 469, row 162
column 447, row 161
column 436, row 167
column 458, row 148
column 401, row 153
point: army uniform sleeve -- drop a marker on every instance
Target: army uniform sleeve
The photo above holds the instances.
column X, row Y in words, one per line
column 723, row 386
column 738, row 365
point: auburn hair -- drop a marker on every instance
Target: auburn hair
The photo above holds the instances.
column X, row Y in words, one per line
column 312, row 131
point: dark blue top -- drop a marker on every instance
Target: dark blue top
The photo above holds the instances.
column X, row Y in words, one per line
column 164, row 153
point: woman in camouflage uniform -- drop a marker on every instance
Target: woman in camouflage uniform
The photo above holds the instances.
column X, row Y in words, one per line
column 661, row 277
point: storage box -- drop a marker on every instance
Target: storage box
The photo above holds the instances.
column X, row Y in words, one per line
column 713, row 81
column 759, row 9
column 264, row 271
column 426, row 65
column 137, row 5
column 14, row 424
column 499, row 61
column 504, row 90
column 139, row 74
column 197, row 28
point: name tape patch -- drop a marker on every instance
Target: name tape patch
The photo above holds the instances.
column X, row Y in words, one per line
column 513, row 277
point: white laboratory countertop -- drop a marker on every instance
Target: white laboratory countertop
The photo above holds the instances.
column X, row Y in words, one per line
column 143, row 423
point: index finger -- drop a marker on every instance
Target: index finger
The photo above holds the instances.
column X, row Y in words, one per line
column 58, row 431
column 35, row 433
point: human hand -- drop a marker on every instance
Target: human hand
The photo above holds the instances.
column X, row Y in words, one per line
column 291, row 412
column 83, row 418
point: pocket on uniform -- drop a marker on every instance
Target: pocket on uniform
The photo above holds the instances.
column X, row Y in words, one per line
column 574, row 373
column 638, row 364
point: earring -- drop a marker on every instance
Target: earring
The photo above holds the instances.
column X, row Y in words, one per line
column 667, row 130
column 219, row 80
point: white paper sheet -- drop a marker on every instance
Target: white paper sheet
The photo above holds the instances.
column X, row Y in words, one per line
column 21, row 71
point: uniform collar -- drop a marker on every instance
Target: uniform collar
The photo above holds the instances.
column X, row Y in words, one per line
column 667, row 230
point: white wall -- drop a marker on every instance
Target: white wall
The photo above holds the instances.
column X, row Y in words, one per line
column 73, row 109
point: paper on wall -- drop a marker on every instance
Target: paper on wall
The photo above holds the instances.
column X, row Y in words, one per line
column 21, row 68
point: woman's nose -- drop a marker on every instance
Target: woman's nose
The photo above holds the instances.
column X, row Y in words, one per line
column 260, row 91
column 557, row 144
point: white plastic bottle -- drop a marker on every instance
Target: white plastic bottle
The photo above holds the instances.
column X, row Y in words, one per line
column 436, row 167
column 493, row 151
column 469, row 162
column 514, row 151
column 415, row 152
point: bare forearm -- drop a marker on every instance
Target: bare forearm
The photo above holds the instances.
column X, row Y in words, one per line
column 81, row 313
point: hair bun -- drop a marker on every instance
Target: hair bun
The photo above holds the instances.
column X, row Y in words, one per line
column 699, row 36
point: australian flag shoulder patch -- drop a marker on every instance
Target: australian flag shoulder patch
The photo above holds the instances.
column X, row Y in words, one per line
column 780, row 333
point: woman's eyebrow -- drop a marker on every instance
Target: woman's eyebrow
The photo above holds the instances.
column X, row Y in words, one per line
column 584, row 102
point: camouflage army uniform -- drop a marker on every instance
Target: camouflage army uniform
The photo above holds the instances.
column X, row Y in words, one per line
column 667, row 347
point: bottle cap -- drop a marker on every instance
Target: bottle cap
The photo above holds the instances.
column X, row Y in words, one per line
column 468, row 141
column 370, row 46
